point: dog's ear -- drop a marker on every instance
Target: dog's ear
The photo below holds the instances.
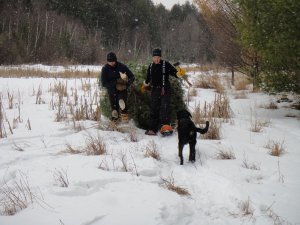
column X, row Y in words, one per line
column 183, row 114
column 187, row 114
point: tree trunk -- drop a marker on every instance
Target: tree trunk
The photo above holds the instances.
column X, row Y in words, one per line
column 3, row 25
column 28, row 36
column 9, row 29
column 46, row 26
column 255, row 71
column 232, row 75
column 52, row 28
column 37, row 33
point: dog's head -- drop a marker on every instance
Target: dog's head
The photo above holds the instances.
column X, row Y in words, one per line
column 183, row 114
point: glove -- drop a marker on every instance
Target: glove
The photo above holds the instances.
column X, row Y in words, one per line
column 180, row 72
column 123, row 76
column 145, row 87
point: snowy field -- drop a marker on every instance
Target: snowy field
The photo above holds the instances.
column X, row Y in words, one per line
column 123, row 186
column 54, row 69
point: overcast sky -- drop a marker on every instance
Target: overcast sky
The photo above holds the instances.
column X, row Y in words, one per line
column 169, row 3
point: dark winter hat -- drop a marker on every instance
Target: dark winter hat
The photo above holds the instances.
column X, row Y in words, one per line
column 156, row 52
column 111, row 57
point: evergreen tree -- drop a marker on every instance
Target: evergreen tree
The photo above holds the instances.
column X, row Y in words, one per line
column 271, row 29
column 139, row 103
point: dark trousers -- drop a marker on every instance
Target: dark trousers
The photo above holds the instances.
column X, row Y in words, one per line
column 114, row 98
column 160, row 108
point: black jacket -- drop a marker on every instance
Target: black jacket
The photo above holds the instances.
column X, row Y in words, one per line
column 155, row 74
column 110, row 75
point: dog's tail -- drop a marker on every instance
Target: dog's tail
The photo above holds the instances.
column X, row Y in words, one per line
column 204, row 130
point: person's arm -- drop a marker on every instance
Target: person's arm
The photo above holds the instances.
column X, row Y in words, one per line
column 146, row 84
column 130, row 76
column 108, row 83
column 102, row 77
column 148, row 78
column 171, row 69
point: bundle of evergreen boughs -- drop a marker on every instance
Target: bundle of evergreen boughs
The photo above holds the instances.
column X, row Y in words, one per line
column 139, row 103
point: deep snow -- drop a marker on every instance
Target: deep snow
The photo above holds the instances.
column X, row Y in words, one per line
column 112, row 196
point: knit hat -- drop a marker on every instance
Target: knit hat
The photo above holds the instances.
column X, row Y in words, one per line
column 111, row 57
column 156, row 52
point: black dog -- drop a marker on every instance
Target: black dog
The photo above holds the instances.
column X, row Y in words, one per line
column 187, row 133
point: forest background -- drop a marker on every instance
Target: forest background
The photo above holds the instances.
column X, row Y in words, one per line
column 257, row 38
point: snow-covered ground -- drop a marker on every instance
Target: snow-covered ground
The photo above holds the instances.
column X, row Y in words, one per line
column 101, row 191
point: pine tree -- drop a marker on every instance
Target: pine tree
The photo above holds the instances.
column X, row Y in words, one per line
column 271, row 29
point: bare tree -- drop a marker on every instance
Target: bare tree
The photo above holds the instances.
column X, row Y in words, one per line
column 222, row 17
column 227, row 50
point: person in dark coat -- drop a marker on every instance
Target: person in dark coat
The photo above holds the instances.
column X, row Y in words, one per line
column 116, row 78
column 158, row 78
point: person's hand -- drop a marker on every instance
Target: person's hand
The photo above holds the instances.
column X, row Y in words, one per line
column 180, row 72
column 145, row 87
column 123, row 76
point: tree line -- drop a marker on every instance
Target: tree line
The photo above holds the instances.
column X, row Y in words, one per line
column 83, row 31
column 259, row 38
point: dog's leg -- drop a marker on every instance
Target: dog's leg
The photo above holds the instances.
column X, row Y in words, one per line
column 192, row 156
column 180, row 148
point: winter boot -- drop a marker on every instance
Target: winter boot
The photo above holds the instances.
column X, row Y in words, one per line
column 124, row 117
column 113, row 124
column 114, row 115
column 150, row 132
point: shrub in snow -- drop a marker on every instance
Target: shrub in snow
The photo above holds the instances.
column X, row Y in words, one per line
column 95, row 145
column 17, row 195
column 224, row 154
column 169, row 184
column 276, row 148
column 152, row 151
